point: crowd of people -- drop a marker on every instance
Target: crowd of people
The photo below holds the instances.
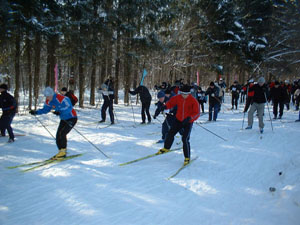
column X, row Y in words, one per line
column 180, row 104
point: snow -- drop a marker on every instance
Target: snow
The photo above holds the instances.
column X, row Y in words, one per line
column 228, row 184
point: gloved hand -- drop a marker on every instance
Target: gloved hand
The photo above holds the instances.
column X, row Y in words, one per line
column 186, row 121
column 56, row 113
column 163, row 108
column 212, row 95
column 32, row 112
column 154, row 117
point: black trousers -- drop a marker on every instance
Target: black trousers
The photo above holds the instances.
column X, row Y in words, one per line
column 145, row 110
column 186, row 131
column 5, row 124
column 234, row 100
column 65, row 126
column 108, row 104
column 275, row 108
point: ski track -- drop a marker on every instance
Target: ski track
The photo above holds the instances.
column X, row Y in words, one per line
column 228, row 184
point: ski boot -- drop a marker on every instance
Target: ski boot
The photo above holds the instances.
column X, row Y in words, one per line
column 248, row 128
column 61, row 154
column 186, row 161
column 162, row 151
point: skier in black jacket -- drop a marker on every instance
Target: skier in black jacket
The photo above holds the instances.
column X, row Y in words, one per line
column 258, row 103
column 235, row 89
column 9, row 106
column 146, row 98
column 214, row 101
column 277, row 95
column 107, row 91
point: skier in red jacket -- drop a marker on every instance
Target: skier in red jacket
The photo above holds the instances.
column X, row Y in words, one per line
column 187, row 112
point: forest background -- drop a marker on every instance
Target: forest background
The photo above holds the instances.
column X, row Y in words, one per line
column 89, row 41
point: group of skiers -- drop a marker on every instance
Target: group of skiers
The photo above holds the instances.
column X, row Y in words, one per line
column 180, row 104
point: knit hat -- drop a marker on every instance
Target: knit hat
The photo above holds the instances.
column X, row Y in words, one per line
column 160, row 94
column 64, row 89
column 168, row 91
column 261, row 80
column 277, row 82
column 48, row 92
column 4, row 86
column 212, row 84
column 185, row 89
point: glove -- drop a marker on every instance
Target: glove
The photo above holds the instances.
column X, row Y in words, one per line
column 56, row 113
column 163, row 108
column 212, row 95
column 154, row 117
column 186, row 121
column 32, row 112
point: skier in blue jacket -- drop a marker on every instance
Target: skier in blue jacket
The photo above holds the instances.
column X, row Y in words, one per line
column 63, row 107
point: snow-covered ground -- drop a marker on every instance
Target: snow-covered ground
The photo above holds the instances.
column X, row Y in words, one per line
column 228, row 184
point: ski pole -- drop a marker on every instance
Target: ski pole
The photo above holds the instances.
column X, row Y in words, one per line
column 211, row 132
column 44, row 126
column 268, row 110
column 89, row 141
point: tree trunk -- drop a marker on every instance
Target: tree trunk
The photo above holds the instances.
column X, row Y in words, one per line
column 29, row 71
column 17, row 66
column 51, row 61
column 37, row 58
column 81, row 81
column 93, row 82
column 117, row 69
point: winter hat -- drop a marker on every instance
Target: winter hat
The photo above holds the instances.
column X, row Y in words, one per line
column 212, row 84
column 160, row 94
column 168, row 91
column 277, row 82
column 261, row 80
column 48, row 92
column 185, row 89
column 4, row 86
column 251, row 81
column 64, row 89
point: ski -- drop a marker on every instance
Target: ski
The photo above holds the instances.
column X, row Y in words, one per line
column 42, row 162
column 147, row 157
column 182, row 167
column 50, row 161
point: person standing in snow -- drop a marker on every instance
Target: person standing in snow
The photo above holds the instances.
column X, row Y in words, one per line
column 164, row 97
column 107, row 91
column 9, row 106
column 235, row 89
column 277, row 95
column 187, row 112
column 258, row 104
column 68, row 118
column 146, row 101
column 249, row 95
column 70, row 94
column 201, row 98
column 214, row 101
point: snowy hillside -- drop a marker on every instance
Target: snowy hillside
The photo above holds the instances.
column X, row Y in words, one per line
column 228, row 183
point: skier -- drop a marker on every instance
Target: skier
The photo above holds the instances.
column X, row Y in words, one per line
column 214, row 101
column 287, row 93
column 249, row 94
column 70, row 94
column 258, row 104
column 201, row 98
column 9, row 106
column 235, row 89
column 277, row 95
column 222, row 86
column 107, row 91
column 63, row 107
column 146, row 101
column 187, row 113
column 164, row 97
